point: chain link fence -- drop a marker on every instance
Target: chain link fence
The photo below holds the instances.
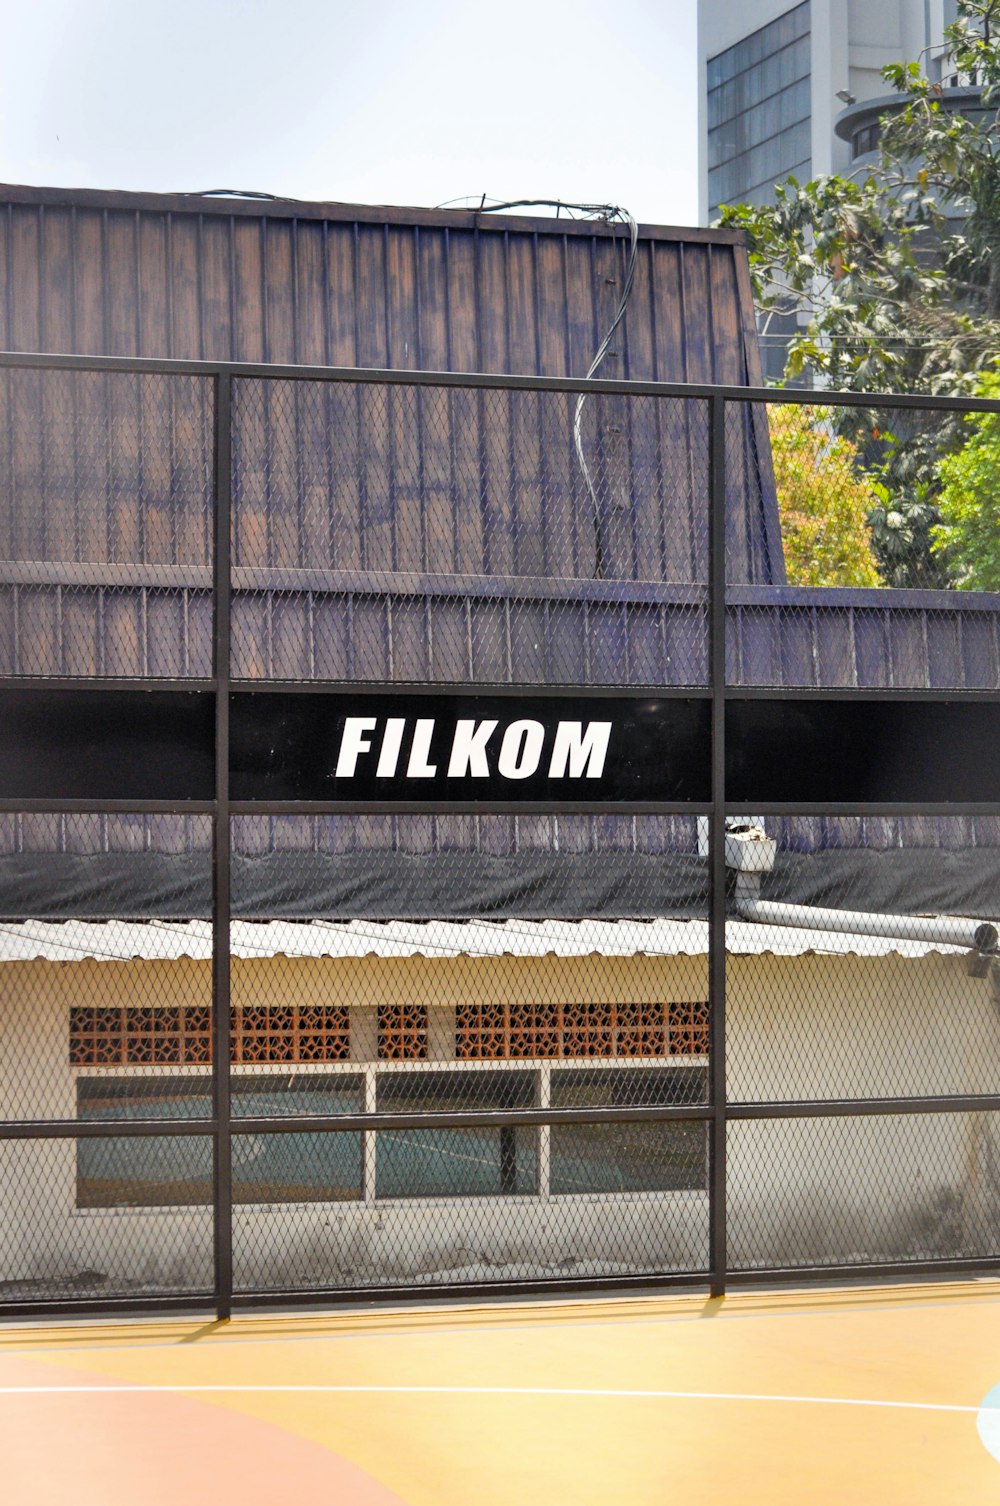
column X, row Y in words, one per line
column 888, row 535
column 278, row 1050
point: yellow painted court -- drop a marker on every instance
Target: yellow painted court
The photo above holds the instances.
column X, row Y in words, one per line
column 889, row 1395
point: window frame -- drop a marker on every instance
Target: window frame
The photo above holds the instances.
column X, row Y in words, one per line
column 368, row 1073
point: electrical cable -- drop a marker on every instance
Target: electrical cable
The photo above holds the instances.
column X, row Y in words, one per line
column 609, row 213
column 602, row 351
column 237, row 193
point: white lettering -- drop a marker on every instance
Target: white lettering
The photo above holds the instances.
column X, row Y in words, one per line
column 353, row 743
column 578, row 753
column 468, row 751
column 521, row 750
column 418, row 766
column 392, row 741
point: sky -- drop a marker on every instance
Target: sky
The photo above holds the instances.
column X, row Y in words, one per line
column 381, row 103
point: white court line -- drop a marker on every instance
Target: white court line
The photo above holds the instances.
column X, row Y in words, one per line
column 239, row 1389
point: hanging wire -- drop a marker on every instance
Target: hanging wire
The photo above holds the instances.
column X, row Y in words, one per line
column 609, row 214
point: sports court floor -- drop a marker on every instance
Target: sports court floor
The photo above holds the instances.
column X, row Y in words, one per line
column 890, row 1395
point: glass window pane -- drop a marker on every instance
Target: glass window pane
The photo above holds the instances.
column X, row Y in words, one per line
column 670, row 1156
column 456, row 1163
column 267, row 1168
column 319, row 1168
column 667, row 1157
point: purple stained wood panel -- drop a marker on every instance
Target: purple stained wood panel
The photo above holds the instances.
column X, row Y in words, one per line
column 506, row 636
column 412, row 639
column 107, row 471
column 645, row 645
column 834, row 647
column 567, row 653
column 448, row 625
column 801, row 636
column 797, row 641
column 197, row 277
column 978, row 636
column 685, row 645
column 490, row 641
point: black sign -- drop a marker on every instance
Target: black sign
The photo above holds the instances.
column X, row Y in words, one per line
column 862, row 751
column 377, row 747
column 106, row 744
column 371, row 746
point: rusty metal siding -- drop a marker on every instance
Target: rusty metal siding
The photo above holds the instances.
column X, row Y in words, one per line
column 105, row 524
column 129, row 274
column 402, row 555
column 116, row 489
column 110, row 274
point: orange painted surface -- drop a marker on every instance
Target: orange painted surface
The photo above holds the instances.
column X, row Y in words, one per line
column 783, row 1399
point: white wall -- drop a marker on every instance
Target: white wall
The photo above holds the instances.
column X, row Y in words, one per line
column 800, row 1191
column 896, row 1187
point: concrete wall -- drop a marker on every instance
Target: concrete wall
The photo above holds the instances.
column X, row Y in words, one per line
column 800, row 1191
column 875, row 1188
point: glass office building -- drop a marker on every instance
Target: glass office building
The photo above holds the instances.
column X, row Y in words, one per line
column 759, row 112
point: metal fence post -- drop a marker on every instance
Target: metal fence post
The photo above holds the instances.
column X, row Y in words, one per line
column 222, row 1182
column 717, row 840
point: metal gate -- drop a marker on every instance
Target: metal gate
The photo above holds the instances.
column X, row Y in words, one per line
column 442, row 854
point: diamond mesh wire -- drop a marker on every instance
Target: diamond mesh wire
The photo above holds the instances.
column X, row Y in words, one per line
column 458, row 1163
column 115, row 1219
column 83, row 866
column 834, row 996
column 477, row 868
column 477, row 1215
column 628, row 1157
column 885, row 523
column 449, row 535
column 105, row 957
column 486, row 1006
column 105, row 524
column 298, row 1169
column 457, row 964
column 557, row 938
column 815, row 1192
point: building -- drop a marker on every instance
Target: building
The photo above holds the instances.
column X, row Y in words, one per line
column 778, row 83
column 541, row 1015
column 443, row 540
column 796, row 90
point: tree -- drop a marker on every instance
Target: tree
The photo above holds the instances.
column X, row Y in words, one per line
column 968, row 534
column 823, row 502
column 896, row 278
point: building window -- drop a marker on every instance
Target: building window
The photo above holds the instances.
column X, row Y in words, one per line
column 463, row 1162
column 496, row 1032
column 141, row 1171
column 759, row 107
column 288, row 1061
column 650, row 1156
column 866, row 139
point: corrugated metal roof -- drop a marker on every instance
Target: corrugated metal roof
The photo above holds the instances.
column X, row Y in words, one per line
column 118, row 941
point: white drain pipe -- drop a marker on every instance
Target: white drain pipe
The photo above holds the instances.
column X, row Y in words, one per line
column 944, row 930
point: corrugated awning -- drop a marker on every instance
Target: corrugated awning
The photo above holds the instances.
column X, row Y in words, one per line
column 166, row 940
